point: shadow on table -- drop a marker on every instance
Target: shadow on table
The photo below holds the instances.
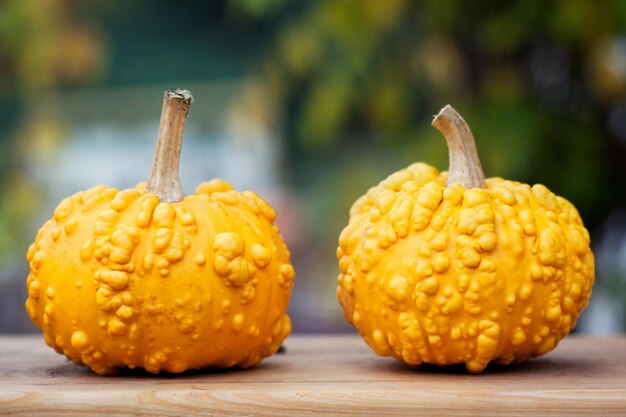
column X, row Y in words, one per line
column 537, row 365
column 70, row 368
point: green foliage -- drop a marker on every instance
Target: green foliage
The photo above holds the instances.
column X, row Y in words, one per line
column 355, row 82
column 350, row 73
column 43, row 46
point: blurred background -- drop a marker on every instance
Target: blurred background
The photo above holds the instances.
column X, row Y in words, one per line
column 310, row 103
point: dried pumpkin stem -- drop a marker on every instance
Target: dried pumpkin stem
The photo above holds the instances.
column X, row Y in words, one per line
column 465, row 167
column 163, row 181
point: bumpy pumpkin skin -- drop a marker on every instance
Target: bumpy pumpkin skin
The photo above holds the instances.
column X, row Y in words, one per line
column 431, row 274
column 119, row 279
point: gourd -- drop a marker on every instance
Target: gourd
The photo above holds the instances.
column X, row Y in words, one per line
column 448, row 268
column 148, row 277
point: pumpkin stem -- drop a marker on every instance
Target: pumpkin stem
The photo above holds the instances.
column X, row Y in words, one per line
column 163, row 181
column 465, row 167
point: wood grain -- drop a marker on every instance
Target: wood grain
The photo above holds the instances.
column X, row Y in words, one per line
column 322, row 375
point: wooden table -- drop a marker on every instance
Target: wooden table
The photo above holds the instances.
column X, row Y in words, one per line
column 332, row 375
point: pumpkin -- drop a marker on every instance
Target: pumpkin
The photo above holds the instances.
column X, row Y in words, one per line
column 449, row 268
column 148, row 277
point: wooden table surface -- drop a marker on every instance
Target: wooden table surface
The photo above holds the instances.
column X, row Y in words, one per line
column 332, row 375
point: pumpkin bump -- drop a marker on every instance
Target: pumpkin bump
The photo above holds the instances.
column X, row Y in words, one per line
column 449, row 267
column 147, row 277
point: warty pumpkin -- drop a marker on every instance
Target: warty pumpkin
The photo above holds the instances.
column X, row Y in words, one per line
column 147, row 277
column 448, row 268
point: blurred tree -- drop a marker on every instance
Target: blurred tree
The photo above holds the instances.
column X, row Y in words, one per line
column 538, row 83
column 44, row 45
column 543, row 85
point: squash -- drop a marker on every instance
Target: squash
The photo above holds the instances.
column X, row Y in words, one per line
column 449, row 268
column 147, row 277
